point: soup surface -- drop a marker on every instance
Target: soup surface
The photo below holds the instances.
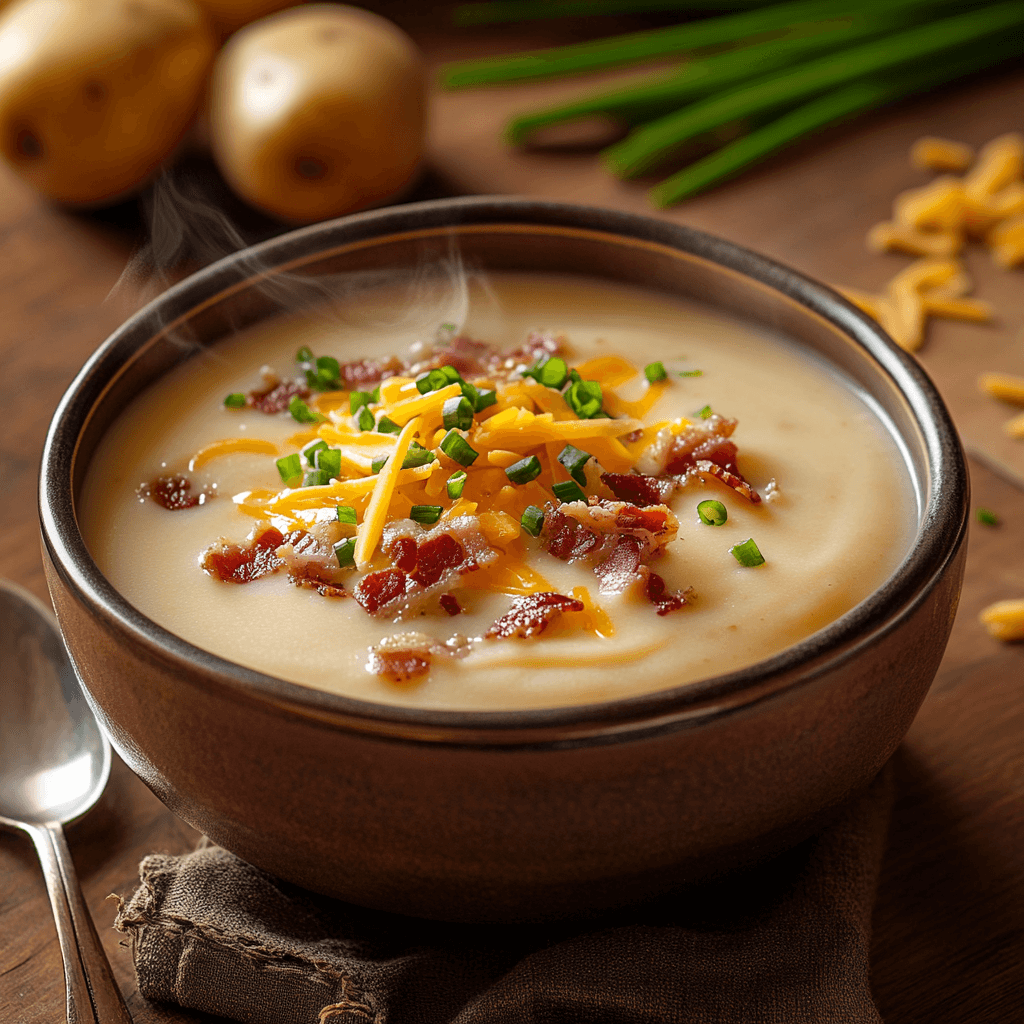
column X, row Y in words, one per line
column 501, row 590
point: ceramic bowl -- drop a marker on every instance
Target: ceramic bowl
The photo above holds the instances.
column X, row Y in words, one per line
column 504, row 816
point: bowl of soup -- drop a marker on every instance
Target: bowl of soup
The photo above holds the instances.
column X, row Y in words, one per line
column 496, row 560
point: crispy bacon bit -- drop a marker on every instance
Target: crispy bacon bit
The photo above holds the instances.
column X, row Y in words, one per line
column 403, row 553
column 435, row 557
column 377, row 589
column 450, row 603
column 399, row 666
column 705, row 448
column 243, row 563
column 639, row 489
column 312, row 578
column 173, row 492
column 655, row 525
column 361, row 372
column 565, row 538
column 469, row 357
column 275, row 399
column 530, row 615
column 662, row 599
column 535, row 346
column 621, row 568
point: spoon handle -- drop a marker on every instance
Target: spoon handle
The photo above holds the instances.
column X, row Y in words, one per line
column 92, row 994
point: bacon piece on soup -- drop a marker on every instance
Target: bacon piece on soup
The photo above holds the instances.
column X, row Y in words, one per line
column 243, row 563
column 622, row 567
column 638, row 489
column 564, row 537
column 655, row 525
column 469, row 357
column 275, row 399
column 536, row 346
column 403, row 553
column 312, row 578
column 400, row 666
column 530, row 615
column 435, row 557
column 705, row 448
column 173, row 493
column 361, row 372
column 450, row 603
column 379, row 589
column 662, row 598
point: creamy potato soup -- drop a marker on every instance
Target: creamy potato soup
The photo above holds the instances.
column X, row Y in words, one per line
column 570, row 492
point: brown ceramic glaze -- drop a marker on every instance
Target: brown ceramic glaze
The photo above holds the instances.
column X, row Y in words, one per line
column 519, row 815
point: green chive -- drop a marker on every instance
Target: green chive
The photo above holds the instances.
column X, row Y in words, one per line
column 329, row 365
column 433, row 381
column 315, row 478
column 304, row 355
column 387, row 426
column 302, row 413
column 532, row 520
column 309, row 452
column 329, row 460
column 655, row 372
column 747, row 553
column 525, row 470
column 358, row 400
column 584, row 398
column 457, row 412
column 345, row 552
column 568, row 490
column 691, row 373
column 712, row 513
column 554, row 373
column 375, row 395
column 236, row 400
column 987, row 517
column 484, row 399
column 453, row 375
column 574, row 460
column 365, row 419
column 456, row 447
column 289, row 467
column 346, row 514
column 426, row 515
column 378, row 463
column 705, row 412
column 417, row 455
column 456, row 482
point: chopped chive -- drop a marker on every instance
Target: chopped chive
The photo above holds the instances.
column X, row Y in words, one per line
column 568, row 490
column 449, row 328
column 328, row 370
column 691, row 373
column 388, row 426
column 574, row 460
column 747, row 553
column 705, row 412
column 346, row 514
column 433, row 381
column 345, row 552
column 456, row 447
column 315, row 478
column 469, row 392
column 457, row 412
column 532, row 520
column 417, row 455
column 456, row 482
column 329, row 460
column 525, row 470
column 304, row 355
column 365, row 419
column 378, row 463
column 554, row 373
column 236, row 400
column 302, row 413
column 426, row 515
column 290, row 467
column 712, row 513
column 484, row 399
column 453, row 375
column 584, row 398
column 375, row 395
column 987, row 517
column 655, row 372
column 358, row 400
column 310, row 450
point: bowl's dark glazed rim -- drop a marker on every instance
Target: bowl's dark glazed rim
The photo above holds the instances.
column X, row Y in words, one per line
column 941, row 532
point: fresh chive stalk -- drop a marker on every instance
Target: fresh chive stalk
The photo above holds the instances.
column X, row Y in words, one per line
column 525, row 470
column 455, row 485
column 236, row 400
column 456, row 447
column 712, row 513
column 532, row 520
column 646, row 147
column 574, row 460
column 346, row 514
column 747, row 553
column 499, row 11
column 426, row 515
column 290, row 467
column 568, row 490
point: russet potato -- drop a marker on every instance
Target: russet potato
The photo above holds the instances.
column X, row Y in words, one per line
column 229, row 15
column 317, row 111
column 96, row 94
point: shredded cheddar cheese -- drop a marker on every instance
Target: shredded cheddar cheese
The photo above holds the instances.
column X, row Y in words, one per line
column 231, row 446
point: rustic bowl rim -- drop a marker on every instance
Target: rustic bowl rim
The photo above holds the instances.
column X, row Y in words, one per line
column 943, row 523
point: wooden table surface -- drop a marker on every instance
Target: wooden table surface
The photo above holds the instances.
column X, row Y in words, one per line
column 949, row 924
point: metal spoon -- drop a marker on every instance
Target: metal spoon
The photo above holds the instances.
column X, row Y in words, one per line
column 54, row 763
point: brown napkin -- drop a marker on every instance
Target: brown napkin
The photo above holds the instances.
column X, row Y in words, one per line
column 786, row 942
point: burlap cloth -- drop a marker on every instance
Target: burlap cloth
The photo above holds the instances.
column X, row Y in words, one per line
column 786, row 942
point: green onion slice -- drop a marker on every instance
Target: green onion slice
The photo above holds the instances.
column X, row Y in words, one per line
column 434, row 380
column 747, row 553
column 345, row 552
column 655, row 372
column 329, row 460
column 365, row 419
column 457, row 412
column 525, row 470
column 987, row 517
column 357, row 400
column 302, row 413
column 691, row 373
column 417, row 455
column 532, row 520
column 426, row 515
column 584, row 398
column 574, row 460
column 568, row 490
column 347, row 514
column 310, row 450
column 712, row 513
column 485, row 399
column 304, row 355
column 456, row 447
column 553, row 373
column 236, row 400
column 388, row 426
column 705, row 412
column 315, row 478
column 453, row 376
column 290, row 467
column 456, row 482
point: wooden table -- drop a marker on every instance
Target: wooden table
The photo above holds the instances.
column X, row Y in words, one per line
column 949, row 925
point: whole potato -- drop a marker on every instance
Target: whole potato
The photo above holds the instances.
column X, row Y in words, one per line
column 317, row 111
column 229, row 15
column 95, row 94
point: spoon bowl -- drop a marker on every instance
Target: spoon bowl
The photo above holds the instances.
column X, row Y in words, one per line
column 54, row 764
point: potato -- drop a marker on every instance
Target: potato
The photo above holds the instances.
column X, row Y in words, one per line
column 229, row 15
column 95, row 94
column 317, row 111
